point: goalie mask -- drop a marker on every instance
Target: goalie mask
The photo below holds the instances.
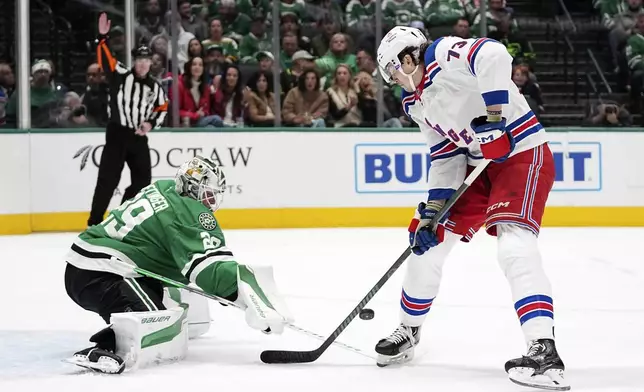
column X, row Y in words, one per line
column 201, row 179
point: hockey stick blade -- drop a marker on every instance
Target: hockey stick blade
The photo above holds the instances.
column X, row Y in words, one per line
column 285, row 356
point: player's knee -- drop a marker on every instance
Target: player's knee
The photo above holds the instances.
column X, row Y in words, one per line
column 517, row 249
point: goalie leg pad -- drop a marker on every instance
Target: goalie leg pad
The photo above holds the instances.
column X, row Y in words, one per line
column 145, row 338
column 198, row 311
column 265, row 308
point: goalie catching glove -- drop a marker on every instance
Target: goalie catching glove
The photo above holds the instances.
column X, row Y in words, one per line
column 258, row 296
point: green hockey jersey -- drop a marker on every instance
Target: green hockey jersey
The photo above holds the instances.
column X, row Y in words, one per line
column 162, row 232
column 357, row 12
column 635, row 51
column 401, row 12
column 251, row 45
column 443, row 12
column 228, row 45
column 253, row 7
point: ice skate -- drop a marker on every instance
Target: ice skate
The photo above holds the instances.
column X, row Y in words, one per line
column 398, row 348
column 101, row 357
column 540, row 368
column 99, row 360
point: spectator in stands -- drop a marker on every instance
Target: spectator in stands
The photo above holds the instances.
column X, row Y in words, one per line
column 608, row 114
column 442, row 15
column 496, row 12
column 215, row 62
column 236, row 25
column 289, row 47
column 7, row 79
column 117, row 42
column 260, row 99
column 462, row 28
column 368, row 104
column 338, row 54
column 256, row 41
column 191, row 23
column 302, row 61
column 328, row 28
column 253, row 7
column 343, row 99
column 150, row 23
column 216, row 37
column 95, row 99
column 195, row 49
column 228, row 102
column 73, row 112
column 360, row 16
column 160, row 44
column 608, row 9
column 158, row 67
column 195, row 96
column 57, row 85
column 515, row 42
column 635, row 57
column 6, row 88
column 295, row 7
column 265, row 60
column 366, row 63
column 532, row 92
column 183, row 42
column 622, row 28
column 305, row 105
column 401, row 12
column 43, row 97
column 210, row 8
column 329, row 8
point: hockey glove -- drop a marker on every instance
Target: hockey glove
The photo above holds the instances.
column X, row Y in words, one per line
column 496, row 143
column 421, row 236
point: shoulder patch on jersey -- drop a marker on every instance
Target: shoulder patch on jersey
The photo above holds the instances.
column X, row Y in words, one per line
column 207, row 221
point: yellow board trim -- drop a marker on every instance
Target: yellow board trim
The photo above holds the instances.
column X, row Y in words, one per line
column 327, row 217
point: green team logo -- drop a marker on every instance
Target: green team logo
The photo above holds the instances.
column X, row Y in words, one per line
column 207, row 221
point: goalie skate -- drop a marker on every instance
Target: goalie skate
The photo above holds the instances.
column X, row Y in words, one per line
column 398, row 348
column 98, row 360
column 540, row 368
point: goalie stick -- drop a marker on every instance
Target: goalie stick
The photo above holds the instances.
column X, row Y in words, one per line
column 226, row 302
column 284, row 356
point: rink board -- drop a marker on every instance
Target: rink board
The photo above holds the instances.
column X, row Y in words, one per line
column 307, row 179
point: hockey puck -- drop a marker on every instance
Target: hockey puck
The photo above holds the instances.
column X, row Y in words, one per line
column 367, row 314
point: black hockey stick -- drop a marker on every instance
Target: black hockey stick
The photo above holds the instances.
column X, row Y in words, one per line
column 284, row 356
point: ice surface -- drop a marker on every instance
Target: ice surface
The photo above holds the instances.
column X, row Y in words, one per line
column 597, row 276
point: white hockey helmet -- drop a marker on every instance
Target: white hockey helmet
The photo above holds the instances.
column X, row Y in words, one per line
column 398, row 39
column 203, row 180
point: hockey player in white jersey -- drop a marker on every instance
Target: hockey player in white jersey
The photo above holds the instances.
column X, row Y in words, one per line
column 460, row 93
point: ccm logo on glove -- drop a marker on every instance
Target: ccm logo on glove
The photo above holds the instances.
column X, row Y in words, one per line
column 496, row 143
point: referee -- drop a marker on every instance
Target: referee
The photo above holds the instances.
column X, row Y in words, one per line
column 137, row 105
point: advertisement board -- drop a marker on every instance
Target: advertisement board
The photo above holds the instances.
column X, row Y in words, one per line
column 335, row 176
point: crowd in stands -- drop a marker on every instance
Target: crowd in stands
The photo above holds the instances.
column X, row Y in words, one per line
column 327, row 61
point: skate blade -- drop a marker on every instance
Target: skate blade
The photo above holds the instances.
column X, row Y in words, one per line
column 102, row 366
column 400, row 359
column 552, row 379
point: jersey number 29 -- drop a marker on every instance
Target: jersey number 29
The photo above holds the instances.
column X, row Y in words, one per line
column 133, row 214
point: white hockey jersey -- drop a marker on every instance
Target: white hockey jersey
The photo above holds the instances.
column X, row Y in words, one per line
column 462, row 77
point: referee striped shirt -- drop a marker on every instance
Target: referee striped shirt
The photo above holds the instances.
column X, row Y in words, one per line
column 133, row 100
